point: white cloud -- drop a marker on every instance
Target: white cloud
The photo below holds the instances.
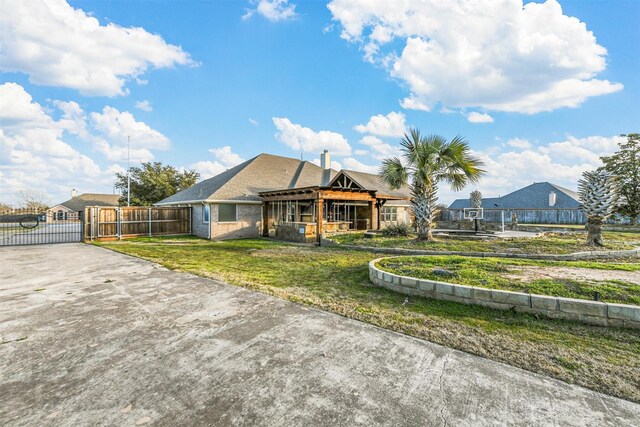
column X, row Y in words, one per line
column 411, row 103
column 33, row 153
column 57, row 45
column 300, row 138
column 393, row 124
column 117, row 126
column 352, row 164
column 379, row 149
column 519, row 143
column 224, row 159
column 560, row 163
column 144, row 106
column 253, row 122
column 74, row 119
column 475, row 117
column 496, row 55
column 273, row 10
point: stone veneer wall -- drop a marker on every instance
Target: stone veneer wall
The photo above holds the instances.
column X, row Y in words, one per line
column 591, row 312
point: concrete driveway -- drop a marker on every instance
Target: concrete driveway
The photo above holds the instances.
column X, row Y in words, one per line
column 92, row 337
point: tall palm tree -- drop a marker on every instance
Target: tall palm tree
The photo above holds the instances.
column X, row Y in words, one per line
column 428, row 161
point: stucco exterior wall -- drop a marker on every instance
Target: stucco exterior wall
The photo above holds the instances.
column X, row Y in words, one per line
column 248, row 222
column 403, row 216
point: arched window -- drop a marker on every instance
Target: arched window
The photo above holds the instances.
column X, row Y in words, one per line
column 60, row 215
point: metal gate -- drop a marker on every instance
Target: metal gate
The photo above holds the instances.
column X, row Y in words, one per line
column 39, row 227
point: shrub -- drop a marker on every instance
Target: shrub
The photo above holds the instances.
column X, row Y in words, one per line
column 397, row 230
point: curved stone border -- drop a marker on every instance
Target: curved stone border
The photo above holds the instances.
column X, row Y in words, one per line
column 591, row 312
column 576, row 256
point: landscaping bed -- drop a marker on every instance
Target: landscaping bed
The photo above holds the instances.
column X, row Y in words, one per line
column 615, row 281
column 549, row 243
column 336, row 280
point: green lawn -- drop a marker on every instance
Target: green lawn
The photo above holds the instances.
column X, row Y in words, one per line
column 515, row 275
column 335, row 279
column 550, row 243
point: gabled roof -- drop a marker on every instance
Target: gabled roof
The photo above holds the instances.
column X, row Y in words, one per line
column 370, row 181
column 80, row 202
column 534, row 196
column 264, row 172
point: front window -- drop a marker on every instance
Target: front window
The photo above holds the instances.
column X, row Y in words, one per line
column 389, row 214
column 206, row 211
column 227, row 212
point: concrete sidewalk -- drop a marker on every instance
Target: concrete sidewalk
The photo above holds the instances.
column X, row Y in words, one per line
column 114, row 340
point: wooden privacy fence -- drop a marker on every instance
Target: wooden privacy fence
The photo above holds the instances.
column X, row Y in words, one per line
column 109, row 223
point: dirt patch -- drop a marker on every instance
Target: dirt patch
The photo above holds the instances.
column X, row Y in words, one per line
column 530, row 273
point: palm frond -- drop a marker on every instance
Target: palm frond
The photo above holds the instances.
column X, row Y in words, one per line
column 394, row 173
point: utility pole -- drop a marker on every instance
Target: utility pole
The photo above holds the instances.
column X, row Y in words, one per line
column 128, row 170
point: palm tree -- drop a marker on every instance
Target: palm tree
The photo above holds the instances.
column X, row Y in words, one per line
column 598, row 192
column 428, row 161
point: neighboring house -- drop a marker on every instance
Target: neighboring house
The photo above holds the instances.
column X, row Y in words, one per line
column 274, row 195
column 540, row 202
column 69, row 210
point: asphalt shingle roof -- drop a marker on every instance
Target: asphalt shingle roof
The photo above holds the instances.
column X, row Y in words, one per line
column 267, row 172
column 534, row 196
column 80, row 202
column 370, row 181
column 264, row 172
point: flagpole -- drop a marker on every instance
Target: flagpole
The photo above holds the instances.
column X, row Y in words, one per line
column 128, row 170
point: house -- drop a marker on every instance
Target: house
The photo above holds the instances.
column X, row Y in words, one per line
column 69, row 210
column 538, row 203
column 291, row 199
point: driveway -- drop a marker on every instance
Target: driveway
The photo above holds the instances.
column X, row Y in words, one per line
column 92, row 337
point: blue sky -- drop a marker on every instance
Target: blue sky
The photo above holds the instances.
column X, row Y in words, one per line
column 540, row 90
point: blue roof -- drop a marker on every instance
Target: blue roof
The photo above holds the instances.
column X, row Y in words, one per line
column 534, row 196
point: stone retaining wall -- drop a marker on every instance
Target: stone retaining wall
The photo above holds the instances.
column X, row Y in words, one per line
column 576, row 256
column 591, row 312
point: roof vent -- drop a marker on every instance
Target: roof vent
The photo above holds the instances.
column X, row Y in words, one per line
column 552, row 199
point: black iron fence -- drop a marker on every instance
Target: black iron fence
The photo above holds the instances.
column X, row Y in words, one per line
column 39, row 226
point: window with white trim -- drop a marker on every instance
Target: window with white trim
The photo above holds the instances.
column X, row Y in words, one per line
column 389, row 213
column 206, row 213
column 227, row 212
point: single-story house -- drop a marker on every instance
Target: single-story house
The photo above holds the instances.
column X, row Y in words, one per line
column 69, row 210
column 540, row 203
column 291, row 199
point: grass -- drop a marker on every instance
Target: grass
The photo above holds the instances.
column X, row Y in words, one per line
column 514, row 275
column 336, row 279
column 550, row 243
